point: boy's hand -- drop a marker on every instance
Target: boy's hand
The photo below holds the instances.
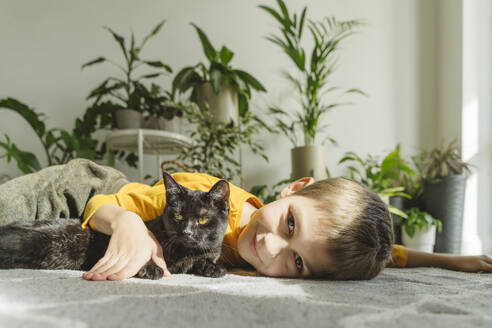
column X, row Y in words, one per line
column 131, row 246
column 482, row 263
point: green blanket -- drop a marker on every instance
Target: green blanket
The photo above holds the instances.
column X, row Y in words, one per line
column 60, row 191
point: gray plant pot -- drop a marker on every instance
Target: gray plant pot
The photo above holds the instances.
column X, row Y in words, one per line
column 309, row 161
column 128, row 119
column 446, row 201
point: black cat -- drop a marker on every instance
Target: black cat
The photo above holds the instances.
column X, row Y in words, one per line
column 191, row 231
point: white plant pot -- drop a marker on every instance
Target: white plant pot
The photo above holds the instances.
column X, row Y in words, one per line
column 224, row 105
column 422, row 240
column 173, row 125
column 308, row 161
column 128, row 119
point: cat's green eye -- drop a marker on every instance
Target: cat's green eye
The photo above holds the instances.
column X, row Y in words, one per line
column 202, row 220
column 178, row 217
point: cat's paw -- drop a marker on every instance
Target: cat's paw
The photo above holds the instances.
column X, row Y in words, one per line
column 208, row 268
column 150, row 271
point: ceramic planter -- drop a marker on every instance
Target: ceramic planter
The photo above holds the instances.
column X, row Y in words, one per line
column 401, row 203
column 446, row 201
column 175, row 124
column 128, row 119
column 224, row 105
column 421, row 240
column 308, row 161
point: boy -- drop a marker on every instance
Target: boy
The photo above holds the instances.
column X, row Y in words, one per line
column 334, row 228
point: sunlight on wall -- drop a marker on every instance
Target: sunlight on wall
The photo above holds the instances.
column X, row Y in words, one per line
column 470, row 129
column 471, row 244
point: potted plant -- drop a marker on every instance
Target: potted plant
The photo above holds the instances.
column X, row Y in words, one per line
column 215, row 144
column 226, row 91
column 311, row 82
column 419, row 230
column 444, row 194
column 128, row 91
column 380, row 177
column 412, row 181
column 163, row 112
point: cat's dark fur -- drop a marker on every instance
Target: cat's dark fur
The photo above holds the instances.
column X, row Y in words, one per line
column 188, row 246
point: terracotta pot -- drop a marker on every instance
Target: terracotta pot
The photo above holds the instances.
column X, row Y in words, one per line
column 128, row 119
column 224, row 105
column 308, row 161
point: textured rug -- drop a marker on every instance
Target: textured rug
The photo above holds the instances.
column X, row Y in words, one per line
column 424, row 297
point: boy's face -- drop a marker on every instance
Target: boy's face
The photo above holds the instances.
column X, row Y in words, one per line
column 280, row 239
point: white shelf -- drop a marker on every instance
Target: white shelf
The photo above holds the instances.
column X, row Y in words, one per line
column 157, row 142
column 147, row 141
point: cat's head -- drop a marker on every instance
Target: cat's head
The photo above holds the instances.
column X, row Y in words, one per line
column 196, row 218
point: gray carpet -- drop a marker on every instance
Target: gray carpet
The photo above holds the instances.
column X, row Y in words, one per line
column 424, row 297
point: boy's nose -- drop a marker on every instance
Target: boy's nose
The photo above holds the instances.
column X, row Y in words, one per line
column 274, row 245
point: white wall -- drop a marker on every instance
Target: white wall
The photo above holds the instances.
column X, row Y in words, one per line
column 44, row 43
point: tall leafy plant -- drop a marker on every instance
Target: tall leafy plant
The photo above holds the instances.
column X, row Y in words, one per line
column 313, row 70
column 218, row 72
column 128, row 90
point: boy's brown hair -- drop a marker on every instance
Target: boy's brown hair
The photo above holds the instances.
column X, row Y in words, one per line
column 357, row 225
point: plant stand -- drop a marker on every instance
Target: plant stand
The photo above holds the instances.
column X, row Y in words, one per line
column 146, row 141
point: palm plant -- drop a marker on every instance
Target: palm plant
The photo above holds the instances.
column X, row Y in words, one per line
column 219, row 73
column 313, row 71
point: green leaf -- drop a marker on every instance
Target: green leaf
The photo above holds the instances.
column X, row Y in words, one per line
column 217, row 79
column 92, row 62
column 154, row 32
column 225, row 55
column 187, row 78
column 159, row 64
column 208, row 49
column 357, row 91
column 276, row 15
column 250, row 80
column 120, row 40
column 29, row 114
column 301, row 23
column 26, row 161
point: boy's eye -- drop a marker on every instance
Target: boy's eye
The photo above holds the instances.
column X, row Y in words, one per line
column 299, row 264
column 291, row 224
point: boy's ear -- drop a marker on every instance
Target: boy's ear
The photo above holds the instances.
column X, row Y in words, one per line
column 295, row 186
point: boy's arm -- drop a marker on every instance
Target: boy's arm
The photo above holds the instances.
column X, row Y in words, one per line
column 130, row 247
column 482, row 263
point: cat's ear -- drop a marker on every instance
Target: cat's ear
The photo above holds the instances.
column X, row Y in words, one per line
column 219, row 194
column 172, row 187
